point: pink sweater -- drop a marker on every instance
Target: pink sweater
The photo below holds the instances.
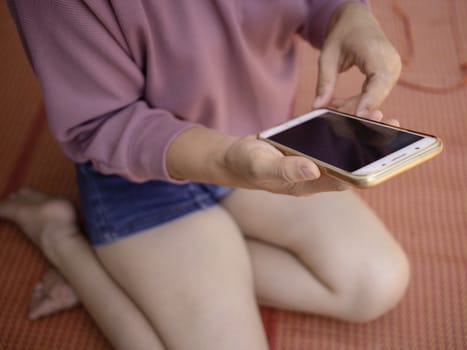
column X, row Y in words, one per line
column 122, row 78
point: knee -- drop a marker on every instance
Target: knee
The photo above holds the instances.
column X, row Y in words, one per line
column 378, row 287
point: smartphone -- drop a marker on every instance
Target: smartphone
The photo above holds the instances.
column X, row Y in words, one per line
column 358, row 151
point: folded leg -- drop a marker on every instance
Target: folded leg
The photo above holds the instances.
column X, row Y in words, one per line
column 50, row 223
column 192, row 279
column 327, row 253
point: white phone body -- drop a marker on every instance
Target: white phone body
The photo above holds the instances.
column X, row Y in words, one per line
column 390, row 151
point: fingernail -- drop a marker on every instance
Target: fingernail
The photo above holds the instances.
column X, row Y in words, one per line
column 308, row 173
column 318, row 101
column 363, row 112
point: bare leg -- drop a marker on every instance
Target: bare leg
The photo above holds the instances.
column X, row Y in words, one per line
column 331, row 253
column 50, row 224
column 326, row 254
column 192, row 277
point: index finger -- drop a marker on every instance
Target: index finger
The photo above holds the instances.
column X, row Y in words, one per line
column 376, row 88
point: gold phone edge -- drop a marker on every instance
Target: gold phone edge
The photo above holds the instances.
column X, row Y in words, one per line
column 366, row 181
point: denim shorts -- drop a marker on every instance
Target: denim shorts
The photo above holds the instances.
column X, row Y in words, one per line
column 114, row 207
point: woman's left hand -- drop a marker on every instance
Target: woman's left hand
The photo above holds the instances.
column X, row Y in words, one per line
column 355, row 38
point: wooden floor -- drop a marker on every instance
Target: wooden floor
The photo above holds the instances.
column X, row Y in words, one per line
column 425, row 208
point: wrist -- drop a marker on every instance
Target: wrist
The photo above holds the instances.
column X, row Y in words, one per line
column 218, row 164
column 199, row 154
column 353, row 13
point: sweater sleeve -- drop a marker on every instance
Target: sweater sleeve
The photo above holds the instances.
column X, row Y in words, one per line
column 94, row 92
column 319, row 14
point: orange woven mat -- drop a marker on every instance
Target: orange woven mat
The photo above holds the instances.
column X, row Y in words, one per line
column 425, row 208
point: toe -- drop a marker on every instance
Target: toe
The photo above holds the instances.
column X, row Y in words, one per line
column 42, row 308
column 45, row 304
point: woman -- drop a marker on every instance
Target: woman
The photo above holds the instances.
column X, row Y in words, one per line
column 156, row 102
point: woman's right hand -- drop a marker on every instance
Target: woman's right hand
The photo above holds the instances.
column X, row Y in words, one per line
column 255, row 164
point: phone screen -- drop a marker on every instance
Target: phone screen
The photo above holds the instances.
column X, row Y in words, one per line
column 344, row 142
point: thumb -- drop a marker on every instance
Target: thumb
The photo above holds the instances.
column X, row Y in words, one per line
column 294, row 169
column 328, row 69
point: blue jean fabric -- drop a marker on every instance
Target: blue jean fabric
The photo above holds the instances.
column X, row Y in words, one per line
column 114, row 208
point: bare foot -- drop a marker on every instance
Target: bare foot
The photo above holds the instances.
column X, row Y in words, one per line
column 45, row 221
column 50, row 295
column 39, row 216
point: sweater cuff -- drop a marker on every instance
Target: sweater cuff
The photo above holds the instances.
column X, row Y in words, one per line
column 150, row 151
